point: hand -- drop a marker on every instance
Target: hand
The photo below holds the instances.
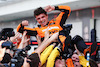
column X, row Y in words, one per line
column 24, row 41
column 38, row 40
column 24, row 38
column 25, row 23
column 14, row 38
column 25, row 64
column 49, row 8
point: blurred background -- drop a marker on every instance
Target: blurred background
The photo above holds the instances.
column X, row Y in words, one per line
column 85, row 14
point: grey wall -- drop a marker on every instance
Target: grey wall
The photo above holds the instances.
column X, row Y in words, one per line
column 85, row 16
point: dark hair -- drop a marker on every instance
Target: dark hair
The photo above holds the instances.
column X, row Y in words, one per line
column 6, row 58
column 34, row 60
column 39, row 11
column 6, row 32
column 79, row 41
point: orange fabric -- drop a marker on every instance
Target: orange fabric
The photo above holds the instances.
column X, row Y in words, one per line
column 33, row 52
column 41, row 31
column 62, row 38
column 86, row 50
column 69, row 62
column 63, row 46
column 18, row 27
column 63, row 7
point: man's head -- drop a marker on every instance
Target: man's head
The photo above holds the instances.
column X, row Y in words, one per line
column 32, row 61
column 59, row 62
column 75, row 58
column 41, row 16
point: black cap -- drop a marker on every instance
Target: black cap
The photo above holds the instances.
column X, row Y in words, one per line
column 80, row 44
column 7, row 32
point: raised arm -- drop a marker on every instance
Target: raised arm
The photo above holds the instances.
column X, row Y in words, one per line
column 65, row 12
column 24, row 41
column 21, row 27
column 47, row 42
column 62, row 17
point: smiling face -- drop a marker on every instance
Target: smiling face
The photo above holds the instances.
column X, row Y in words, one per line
column 75, row 57
column 42, row 19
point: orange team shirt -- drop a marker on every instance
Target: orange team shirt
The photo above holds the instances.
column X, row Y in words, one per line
column 54, row 25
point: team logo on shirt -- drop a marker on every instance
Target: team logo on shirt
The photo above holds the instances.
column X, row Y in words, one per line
column 52, row 29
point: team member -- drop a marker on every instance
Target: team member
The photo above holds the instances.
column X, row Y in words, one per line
column 41, row 16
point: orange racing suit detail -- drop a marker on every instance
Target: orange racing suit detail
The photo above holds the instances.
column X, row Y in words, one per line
column 54, row 25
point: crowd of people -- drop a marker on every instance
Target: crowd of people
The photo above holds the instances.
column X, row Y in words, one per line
column 56, row 47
